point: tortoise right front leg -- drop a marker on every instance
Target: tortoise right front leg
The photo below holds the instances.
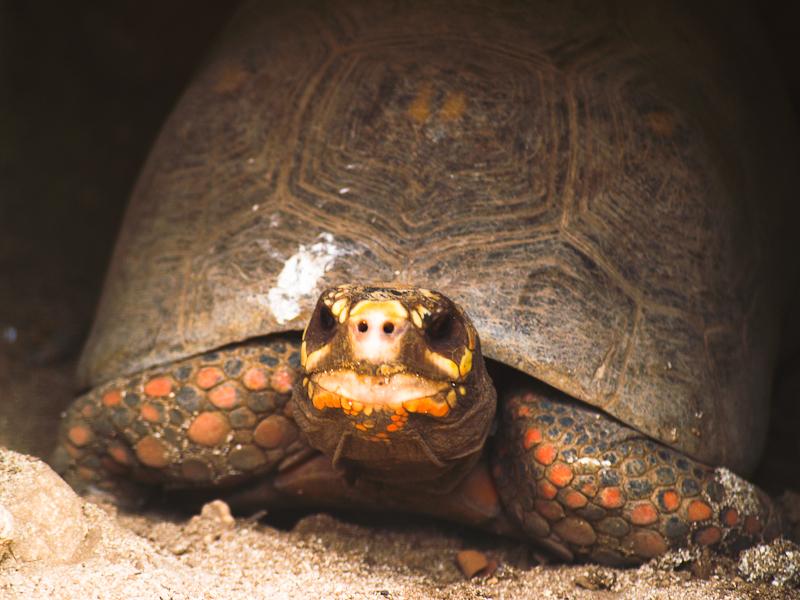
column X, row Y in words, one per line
column 214, row 419
column 587, row 486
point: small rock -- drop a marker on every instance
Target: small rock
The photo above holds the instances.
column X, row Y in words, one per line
column 777, row 563
column 473, row 562
column 6, row 533
column 218, row 511
column 596, row 579
column 49, row 523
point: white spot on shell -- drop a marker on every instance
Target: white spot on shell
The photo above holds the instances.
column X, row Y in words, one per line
column 300, row 274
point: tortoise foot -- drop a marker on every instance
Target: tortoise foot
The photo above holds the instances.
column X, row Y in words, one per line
column 588, row 487
column 214, row 419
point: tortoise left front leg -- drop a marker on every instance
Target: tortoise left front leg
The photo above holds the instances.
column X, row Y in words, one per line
column 588, row 487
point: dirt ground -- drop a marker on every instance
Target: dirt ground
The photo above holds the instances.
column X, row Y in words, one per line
column 56, row 545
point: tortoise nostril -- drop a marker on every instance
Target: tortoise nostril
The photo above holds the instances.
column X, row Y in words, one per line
column 362, row 326
column 388, row 328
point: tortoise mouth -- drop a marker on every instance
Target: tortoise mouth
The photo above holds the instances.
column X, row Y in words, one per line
column 356, row 393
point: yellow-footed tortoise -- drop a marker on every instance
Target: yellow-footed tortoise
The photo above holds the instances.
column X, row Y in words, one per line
column 506, row 264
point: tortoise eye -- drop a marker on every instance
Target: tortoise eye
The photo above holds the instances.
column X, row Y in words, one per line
column 445, row 332
column 326, row 319
column 440, row 327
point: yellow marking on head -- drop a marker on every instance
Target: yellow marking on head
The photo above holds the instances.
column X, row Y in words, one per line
column 470, row 338
column 466, row 363
column 423, row 312
column 420, row 108
column 338, row 306
column 445, row 365
column 451, row 398
column 428, row 294
column 305, row 330
column 310, row 361
column 417, row 320
column 454, row 105
column 344, row 314
column 392, row 309
column 462, row 390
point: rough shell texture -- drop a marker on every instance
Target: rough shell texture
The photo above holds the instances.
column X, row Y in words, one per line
column 584, row 179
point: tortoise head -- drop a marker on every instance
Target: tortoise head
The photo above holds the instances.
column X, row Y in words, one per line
column 394, row 384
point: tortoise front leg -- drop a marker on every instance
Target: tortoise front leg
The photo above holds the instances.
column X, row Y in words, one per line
column 210, row 420
column 588, row 487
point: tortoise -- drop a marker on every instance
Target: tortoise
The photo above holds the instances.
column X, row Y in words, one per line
column 527, row 246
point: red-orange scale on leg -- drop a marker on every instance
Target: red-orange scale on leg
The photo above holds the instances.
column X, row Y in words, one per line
column 644, row 514
column 158, row 386
column 610, row 497
column 560, row 474
column 575, row 500
column 255, row 379
column 282, row 380
column 208, row 377
column 209, row 429
column 698, row 511
column 224, row 396
column 546, row 490
column 545, row 454
column 112, row 398
column 151, row 452
column 532, row 437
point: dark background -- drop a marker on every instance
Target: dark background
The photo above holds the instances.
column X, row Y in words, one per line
column 84, row 87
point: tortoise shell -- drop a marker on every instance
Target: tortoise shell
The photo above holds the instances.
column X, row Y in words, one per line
column 585, row 182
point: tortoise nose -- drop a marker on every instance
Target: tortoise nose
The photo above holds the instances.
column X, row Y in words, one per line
column 376, row 334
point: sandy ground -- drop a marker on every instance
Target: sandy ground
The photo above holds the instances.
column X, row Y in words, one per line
column 56, row 545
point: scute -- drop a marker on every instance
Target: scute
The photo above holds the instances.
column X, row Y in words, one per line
column 562, row 174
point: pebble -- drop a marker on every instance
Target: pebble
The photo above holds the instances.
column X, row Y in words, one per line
column 472, row 563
